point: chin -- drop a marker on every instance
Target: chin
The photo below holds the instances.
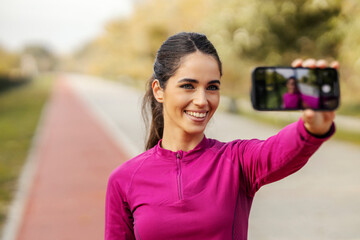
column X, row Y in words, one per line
column 195, row 130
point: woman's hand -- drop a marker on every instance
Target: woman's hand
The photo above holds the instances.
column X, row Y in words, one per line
column 316, row 122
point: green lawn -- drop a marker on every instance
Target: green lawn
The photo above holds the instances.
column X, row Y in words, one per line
column 350, row 109
column 20, row 109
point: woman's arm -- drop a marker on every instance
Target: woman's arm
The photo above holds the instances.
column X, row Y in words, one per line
column 263, row 162
column 118, row 217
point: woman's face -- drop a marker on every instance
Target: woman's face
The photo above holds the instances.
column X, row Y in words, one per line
column 192, row 95
column 291, row 85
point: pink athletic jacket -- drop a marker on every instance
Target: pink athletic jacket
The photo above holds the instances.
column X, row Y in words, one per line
column 205, row 193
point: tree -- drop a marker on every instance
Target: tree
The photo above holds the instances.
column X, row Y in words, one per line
column 45, row 59
column 8, row 62
column 273, row 32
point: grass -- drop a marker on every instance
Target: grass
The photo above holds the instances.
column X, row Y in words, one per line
column 20, row 109
column 350, row 109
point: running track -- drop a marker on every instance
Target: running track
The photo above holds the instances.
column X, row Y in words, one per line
column 74, row 159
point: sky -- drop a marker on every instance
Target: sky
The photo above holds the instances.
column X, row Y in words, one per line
column 61, row 25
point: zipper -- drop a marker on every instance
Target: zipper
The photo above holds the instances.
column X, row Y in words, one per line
column 137, row 235
column 179, row 175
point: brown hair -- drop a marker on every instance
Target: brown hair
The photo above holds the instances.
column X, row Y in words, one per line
column 167, row 61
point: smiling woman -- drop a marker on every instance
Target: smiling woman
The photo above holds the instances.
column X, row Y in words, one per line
column 187, row 72
column 186, row 186
column 190, row 98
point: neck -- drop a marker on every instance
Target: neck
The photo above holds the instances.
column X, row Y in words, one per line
column 176, row 142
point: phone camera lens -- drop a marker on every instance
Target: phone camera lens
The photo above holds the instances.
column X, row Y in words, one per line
column 326, row 88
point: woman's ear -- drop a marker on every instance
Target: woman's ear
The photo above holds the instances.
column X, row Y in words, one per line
column 157, row 91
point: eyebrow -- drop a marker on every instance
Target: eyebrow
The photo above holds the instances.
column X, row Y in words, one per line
column 196, row 81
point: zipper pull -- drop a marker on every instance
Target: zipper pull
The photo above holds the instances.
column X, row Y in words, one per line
column 178, row 155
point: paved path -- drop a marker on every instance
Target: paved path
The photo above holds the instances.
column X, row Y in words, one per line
column 322, row 201
column 74, row 157
column 92, row 126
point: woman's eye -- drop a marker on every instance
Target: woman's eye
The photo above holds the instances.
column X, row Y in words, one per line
column 213, row 87
column 187, row 86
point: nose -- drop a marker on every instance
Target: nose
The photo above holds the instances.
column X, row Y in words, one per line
column 200, row 98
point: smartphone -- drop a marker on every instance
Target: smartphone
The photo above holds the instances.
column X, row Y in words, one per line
column 288, row 88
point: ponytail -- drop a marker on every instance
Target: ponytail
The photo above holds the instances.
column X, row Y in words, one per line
column 150, row 104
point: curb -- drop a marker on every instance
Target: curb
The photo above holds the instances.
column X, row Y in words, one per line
column 25, row 182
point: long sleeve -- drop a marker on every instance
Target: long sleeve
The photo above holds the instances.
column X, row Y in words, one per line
column 263, row 162
column 118, row 217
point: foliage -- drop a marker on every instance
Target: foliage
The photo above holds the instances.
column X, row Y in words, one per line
column 245, row 33
column 8, row 62
column 7, row 83
column 45, row 59
column 350, row 55
column 273, row 33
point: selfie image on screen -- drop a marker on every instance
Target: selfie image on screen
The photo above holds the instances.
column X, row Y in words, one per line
column 281, row 89
column 286, row 88
column 309, row 88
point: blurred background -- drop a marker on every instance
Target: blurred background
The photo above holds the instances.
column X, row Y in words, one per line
column 118, row 40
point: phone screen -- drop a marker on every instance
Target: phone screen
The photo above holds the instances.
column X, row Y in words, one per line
column 287, row 88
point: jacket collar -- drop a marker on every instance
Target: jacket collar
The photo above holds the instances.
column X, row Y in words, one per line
column 166, row 154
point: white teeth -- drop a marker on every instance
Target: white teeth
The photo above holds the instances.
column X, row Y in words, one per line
column 196, row 114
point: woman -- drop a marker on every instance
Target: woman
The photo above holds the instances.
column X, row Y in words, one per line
column 292, row 97
column 186, row 186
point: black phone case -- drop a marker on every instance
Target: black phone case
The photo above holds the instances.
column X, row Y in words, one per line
column 253, row 92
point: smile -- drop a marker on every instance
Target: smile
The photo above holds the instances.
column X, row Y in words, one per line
column 196, row 114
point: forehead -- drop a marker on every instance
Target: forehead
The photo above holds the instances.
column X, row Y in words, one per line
column 198, row 66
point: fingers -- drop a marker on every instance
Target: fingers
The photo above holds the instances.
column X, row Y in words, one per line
column 311, row 116
column 335, row 64
column 297, row 63
column 308, row 115
column 312, row 63
column 309, row 63
column 329, row 116
column 321, row 63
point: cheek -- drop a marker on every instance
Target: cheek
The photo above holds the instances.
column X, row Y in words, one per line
column 214, row 101
column 176, row 102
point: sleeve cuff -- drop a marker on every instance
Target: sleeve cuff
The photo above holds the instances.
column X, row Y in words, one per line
column 308, row 137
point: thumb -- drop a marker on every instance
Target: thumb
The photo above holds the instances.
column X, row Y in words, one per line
column 308, row 116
